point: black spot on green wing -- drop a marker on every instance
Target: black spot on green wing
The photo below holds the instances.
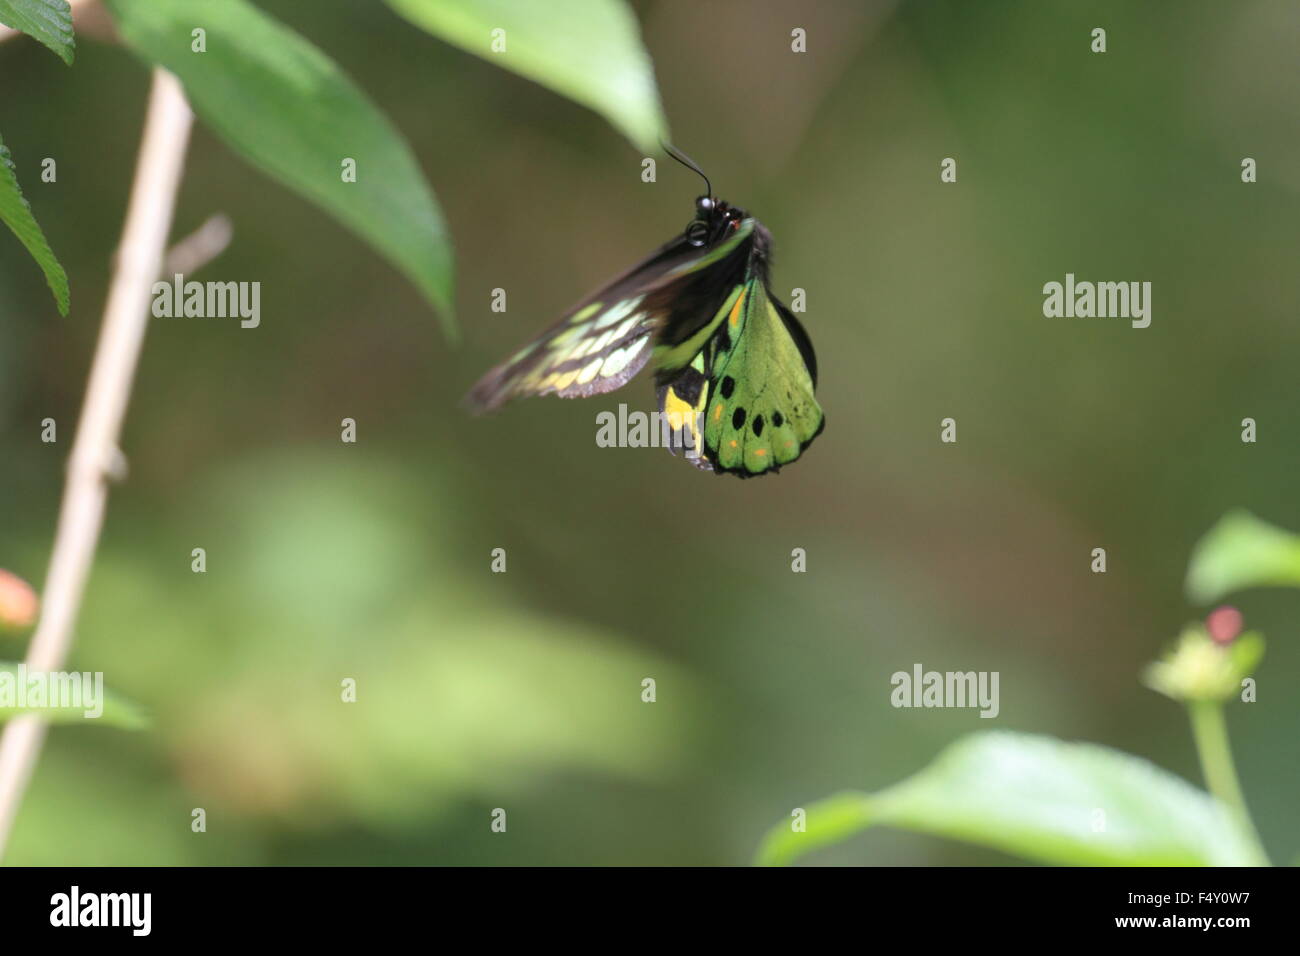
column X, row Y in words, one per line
column 763, row 413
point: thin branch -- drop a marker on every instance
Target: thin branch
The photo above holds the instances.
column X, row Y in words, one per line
column 95, row 450
column 200, row 247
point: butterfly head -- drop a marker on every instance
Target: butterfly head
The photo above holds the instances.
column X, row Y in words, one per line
column 713, row 217
column 713, row 220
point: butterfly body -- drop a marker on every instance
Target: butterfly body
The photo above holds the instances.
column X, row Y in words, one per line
column 734, row 370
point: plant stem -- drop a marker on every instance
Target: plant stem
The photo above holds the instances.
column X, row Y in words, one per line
column 1210, row 730
column 95, row 455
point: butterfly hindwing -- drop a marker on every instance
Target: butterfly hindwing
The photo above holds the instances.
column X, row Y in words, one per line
column 761, row 412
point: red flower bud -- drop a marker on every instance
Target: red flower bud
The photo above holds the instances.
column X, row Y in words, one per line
column 1224, row 624
column 18, row 602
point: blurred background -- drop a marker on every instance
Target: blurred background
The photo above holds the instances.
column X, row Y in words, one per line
column 522, row 690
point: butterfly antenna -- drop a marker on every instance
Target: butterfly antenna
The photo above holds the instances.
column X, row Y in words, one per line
column 689, row 163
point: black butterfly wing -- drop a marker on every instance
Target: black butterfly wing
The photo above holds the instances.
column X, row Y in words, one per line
column 606, row 338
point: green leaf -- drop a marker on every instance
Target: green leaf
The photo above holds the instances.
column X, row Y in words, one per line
column 113, row 710
column 587, row 50
column 49, row 21
column 1040, row 798
column 1242, row 552
column 17, row 215
column 292, row 112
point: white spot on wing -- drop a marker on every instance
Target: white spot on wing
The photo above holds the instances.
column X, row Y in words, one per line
column 600, row 342
column 618, row 312
column 617, row 361
column 589, row 372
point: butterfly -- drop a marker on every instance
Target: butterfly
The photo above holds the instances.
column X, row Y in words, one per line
column 735, row 371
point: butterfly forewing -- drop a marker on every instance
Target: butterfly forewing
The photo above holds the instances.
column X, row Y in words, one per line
column 605, row 340
column 595, row 349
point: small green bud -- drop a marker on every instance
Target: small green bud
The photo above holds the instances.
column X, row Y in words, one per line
column 1199, row 669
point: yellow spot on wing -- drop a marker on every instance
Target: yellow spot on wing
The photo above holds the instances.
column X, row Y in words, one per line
column 677, row 409
column 760, row 452
column 684, row 416
column 562, row 340
column 735, row 309
column 717, row 412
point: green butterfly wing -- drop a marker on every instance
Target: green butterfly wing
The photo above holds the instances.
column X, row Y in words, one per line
column 761, row 412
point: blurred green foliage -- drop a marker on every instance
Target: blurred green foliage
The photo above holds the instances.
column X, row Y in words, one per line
column 106, row 708
column 16, row 213
column 522, row 690
column 287, row 107
column 1241, row 552
column 1073, row 804
column 48, row 21
column 589, row 50
column 1050, row 801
